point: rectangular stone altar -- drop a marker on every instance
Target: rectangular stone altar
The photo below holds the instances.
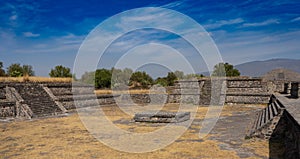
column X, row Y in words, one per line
column 162, row 117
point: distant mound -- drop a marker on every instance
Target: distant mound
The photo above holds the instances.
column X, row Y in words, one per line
column 282, row 75
column 259, row 68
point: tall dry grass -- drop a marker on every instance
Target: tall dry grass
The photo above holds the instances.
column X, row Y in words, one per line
column 34, row 79
column 135, row 91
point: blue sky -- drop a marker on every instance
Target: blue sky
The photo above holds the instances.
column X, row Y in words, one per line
column 47, row 33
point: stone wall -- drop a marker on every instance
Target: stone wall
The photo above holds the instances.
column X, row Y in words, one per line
column 64, row 94
column 22, row 109
column 266, row 119
column 142, row 98
column 294, row 89
column 237, row 90
column 60, row 96
column 286, row 137
column 247, row 91
column 2, row 92
column 7, row 109
column 280, row 123
column 291, row 136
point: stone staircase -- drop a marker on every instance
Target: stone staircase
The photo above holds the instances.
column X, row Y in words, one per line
column 266, row 119
column 2, row 91
column 37, row 99
column 7, row 108
column 66, row 93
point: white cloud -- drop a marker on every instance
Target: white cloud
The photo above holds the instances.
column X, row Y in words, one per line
column 221, row 23
column 68, row 43
column 156, row 54
column 172, row 4
column 30, row 35
column 295, row 19
column 13, row 17
column 240, row 47
column 263, row 23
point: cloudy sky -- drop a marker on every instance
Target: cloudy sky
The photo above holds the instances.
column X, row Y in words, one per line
column 47, row 33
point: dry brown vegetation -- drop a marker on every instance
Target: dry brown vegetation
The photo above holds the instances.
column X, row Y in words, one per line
column 34, row 79
column 66, row 137
column 131, row 91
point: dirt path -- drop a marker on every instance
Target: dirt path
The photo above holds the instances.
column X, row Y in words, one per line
column 231, row 131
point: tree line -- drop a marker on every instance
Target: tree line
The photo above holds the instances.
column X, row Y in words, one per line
column 18, row 70
column 114, row 78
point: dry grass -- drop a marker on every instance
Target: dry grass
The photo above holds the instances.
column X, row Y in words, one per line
column 34, row 79
column 66, row 137
column 133, row 91
column 258, row 146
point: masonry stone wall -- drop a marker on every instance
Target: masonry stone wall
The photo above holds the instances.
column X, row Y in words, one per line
column 60, row 96
column 291, row 137
column 267, row 119
column 279, row 122
column 287, row 136
column 237, row 90
column 7, row 109
column 294, row 89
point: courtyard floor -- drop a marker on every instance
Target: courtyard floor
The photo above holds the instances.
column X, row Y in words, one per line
column 66, row 137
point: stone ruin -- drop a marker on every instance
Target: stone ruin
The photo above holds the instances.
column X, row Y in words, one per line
column 29, row 100
column 280, row 119
column 162, row 117
column 279, row 122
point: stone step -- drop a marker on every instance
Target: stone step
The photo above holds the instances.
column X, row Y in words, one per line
column 37, row 99
column 84, row 97
column 272, row 114
column 268, row 113
column 57, row 91
column 7, row 103
column 254, row 125
column 278, row 104
column 275, row 109
column 249, row 90
column 263, row 118
column 259, row 119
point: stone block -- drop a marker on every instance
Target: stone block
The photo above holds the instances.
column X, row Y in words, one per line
column 162, row 117
column 294, row 89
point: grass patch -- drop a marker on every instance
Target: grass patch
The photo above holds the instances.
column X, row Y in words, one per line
column 34, row 79
column 131, row 91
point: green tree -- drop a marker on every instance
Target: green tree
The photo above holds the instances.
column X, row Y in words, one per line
column 141, row 79
column 179, row 74
column 171, row 78
column 162, row 81
column 88, row 77
column 28, row 70
column 103, row 78
column 120, row 77
column 15, row 70
column 2, row 71
column 230, row 71
column 190, row 76
column 60, row 71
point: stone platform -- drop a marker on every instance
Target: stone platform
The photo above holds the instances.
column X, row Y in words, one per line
column 162, row 117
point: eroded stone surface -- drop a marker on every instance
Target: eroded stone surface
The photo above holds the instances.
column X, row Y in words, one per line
column 162, row 117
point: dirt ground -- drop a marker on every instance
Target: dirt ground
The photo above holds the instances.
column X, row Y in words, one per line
column 66, row 137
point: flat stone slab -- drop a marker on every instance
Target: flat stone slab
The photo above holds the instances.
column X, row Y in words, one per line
column 162, row 117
